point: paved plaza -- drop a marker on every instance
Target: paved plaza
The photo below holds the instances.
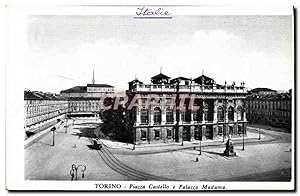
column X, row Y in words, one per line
column 270, row 156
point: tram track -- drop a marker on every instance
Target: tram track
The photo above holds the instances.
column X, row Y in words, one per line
column 116, row 165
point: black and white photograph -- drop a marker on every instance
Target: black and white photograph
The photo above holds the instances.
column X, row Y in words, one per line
column 150, row 98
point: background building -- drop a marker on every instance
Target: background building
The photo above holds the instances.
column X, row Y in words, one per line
column 85, row 100
column 268, row 107
column 221, row 109
column 41, row 110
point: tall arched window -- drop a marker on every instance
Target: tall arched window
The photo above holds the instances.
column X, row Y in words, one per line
column 220, row 114
column 239, row 113
column 230, row 113
column 157, row 115
column 169, row 116
column 186, row 116
column 205, row 113
column 144, row 116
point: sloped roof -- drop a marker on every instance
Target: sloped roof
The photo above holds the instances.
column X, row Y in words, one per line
column 275, row 96
column 179, row 79
column 160, row 76
column 207, row 80
column 135, row 81
column 75, row 89
column 255, row 90
column 99, row 85
column 37, row 95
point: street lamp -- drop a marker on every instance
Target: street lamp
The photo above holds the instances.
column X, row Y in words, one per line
column 200, row 141
column 182, row 136
column 125, row 120
column 134, row 137
column 53, row 135
column 243, row 139
column 258, row 133
column 73, row 171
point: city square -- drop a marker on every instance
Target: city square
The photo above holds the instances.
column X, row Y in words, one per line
column 267, row 159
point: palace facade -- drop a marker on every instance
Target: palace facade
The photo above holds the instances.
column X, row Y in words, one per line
column 182, row 109
column 268, row 107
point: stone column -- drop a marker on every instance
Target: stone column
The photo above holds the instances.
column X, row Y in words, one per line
column 203, row 115
column 235, row 114
column 138, row 115
column 226, row 113
column 180, row 118
column 151, row 112
column 180, row 133
column 245, row 116
column 192, row 115
column 163, row 115
column 203, row 132
column 215, row 131
column 137, row 135
column 215, row 111
column 192, row 131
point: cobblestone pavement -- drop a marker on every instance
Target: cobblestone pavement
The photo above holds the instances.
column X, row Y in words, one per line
column 46, row 162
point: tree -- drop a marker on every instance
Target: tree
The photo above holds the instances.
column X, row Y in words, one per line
column 118, row 125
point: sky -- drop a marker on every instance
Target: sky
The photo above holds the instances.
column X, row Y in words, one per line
column 63, row 50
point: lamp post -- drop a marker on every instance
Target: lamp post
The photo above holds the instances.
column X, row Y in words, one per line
column 258, row 133
column 223, row 135
column 200, row 141
column 127, row 126
column 74, row 169
column 66, row 125
column 243, row 140
column 53, row 135
column 177, row 113
column 134, row 137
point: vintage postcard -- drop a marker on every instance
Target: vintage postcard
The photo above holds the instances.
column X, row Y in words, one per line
column 150, row 98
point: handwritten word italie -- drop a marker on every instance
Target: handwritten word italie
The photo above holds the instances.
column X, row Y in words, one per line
column 148, row 12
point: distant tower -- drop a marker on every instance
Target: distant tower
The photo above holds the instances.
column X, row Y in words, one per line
column 93, row 81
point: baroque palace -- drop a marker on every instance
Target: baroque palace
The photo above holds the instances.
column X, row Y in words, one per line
column 218, row 111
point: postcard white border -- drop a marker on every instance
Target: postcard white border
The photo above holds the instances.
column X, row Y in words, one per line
column 14, row 92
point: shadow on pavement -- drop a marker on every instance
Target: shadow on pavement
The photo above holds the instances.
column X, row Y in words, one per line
column 39, row 142
column 216, row 153
column 86, row 132
column 95, row 146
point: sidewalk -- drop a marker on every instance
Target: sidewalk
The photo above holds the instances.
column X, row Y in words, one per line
column 31, row 140
column 155, row 148
column 251, row 134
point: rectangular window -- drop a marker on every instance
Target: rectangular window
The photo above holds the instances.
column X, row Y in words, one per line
column 144, row 116
column 143, row 135
column 240, row 129
column 169, row 133
column 230, row 130
column 156, row 132
column 220, row 130
column 169, row 117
